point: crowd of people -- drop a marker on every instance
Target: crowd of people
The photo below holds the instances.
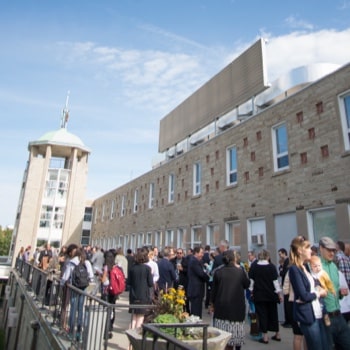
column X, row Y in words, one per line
column 312, row 283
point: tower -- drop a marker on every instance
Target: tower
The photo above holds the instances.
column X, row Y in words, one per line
column 52, row 198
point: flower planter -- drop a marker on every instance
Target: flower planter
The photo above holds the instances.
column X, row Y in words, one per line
column 218, row 342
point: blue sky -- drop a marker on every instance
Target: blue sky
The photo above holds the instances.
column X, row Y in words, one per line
column 129, row 63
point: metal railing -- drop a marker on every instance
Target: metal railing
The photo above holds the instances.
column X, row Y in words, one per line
column 155, row 330
column 78, row 319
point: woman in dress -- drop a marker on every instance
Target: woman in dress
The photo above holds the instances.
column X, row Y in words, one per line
column 141, row 281
column 306, row 308
column 266, row 293
column 228, row 299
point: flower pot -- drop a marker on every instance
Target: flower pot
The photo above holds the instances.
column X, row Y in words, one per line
column 218, row 342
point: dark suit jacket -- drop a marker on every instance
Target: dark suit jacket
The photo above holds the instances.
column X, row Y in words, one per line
column 196, row 278
column 302, row 310
column 167, row 275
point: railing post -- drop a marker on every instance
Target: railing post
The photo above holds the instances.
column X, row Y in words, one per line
column 36, row 326
column 205, row 337
column 19, row 320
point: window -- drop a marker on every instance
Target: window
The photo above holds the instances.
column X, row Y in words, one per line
column 181, row 237
column 151, row 196
column 197, row 177
column 88, row 214
column 171, row 188
column 103, row 212
column 95, row 216
column 133, row 242
column 231, row 166
column 140, row 240
column 233, row 234
column 322, row 222
column 213, row 235
column 112, row 209
column 158, row 240
column 57, row 184
column 169, row 238
column 122, row 210
column 196, row 236
column 46, row 215
column 256, row 234
column 149, row 238
column 344, row 106
column 136, row 200
column 121, row 242
column 280, row 147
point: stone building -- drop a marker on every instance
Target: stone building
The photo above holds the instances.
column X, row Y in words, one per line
column 52, row 198
column 257, row 172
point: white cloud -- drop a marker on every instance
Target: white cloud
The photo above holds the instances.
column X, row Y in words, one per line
column 298, row 49
column 297, row 23
column 173, row 37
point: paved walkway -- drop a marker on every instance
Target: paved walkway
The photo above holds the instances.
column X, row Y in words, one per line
column 122, row 320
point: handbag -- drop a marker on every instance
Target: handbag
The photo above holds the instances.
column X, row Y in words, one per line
column 254, row 324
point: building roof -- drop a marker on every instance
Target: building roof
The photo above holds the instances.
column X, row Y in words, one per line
column 60, row 137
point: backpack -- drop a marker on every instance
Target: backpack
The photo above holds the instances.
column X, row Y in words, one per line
column 80, row 276
column 116, row 281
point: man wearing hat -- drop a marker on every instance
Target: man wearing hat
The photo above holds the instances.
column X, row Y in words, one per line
column 339, row 330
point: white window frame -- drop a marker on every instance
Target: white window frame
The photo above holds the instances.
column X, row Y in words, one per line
column 169, row 237
column 230, row 168
column 158, row 240
column 211, row 240
column 149, row 238
column 122, row 210
column 112, row 209
column 133, row 242
column 171, row 188
column 310, row 217
column 126, row 242
column 140, row 240
column 256, row 233
column 345, row 119
column 136, row 200
column 121, row 241
column 95, row 215
column 181, row 235
column 196, row 242
column 197, row 178
column 103, row 212
column 228, row 234
column 151, row 195
column 276, row 154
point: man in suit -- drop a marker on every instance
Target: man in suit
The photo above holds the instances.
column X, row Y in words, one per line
column 196, row 282
column 223, row 246
column 167, row 276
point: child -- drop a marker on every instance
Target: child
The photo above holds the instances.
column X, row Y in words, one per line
column 321, row 280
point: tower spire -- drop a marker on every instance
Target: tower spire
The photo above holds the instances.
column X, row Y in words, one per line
column 65, row 114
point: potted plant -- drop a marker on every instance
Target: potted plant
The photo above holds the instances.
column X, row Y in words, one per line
column 170, row 309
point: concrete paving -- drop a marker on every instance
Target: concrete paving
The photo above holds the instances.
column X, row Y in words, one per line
column 122, row 321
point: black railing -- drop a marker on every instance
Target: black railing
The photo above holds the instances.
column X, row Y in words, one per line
column 78, row 319
column 155, row 330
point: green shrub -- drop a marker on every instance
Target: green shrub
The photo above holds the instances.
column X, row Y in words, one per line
column 168, row 318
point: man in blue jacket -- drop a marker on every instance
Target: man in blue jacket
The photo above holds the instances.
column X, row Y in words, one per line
column 196, row 282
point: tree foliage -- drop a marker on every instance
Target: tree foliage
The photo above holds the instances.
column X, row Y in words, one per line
column 5, row 240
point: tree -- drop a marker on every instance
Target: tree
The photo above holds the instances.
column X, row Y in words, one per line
column 5, row 240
